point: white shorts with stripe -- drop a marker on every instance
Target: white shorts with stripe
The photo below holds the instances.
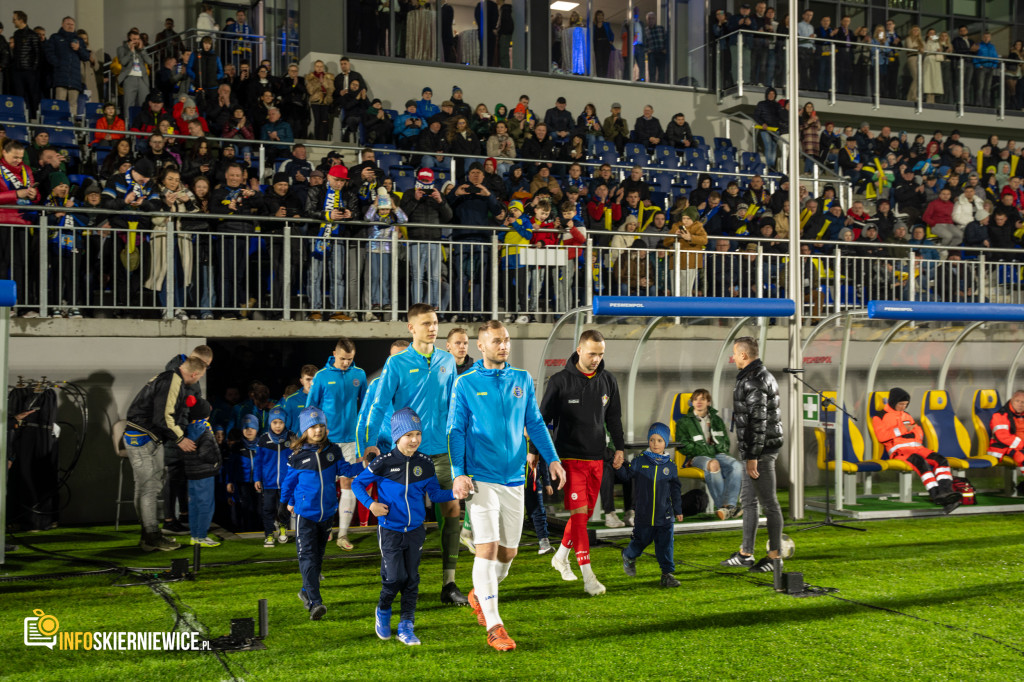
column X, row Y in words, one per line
column 496, row 512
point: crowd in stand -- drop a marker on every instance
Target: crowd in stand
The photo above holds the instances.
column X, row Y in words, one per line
column 534, row 185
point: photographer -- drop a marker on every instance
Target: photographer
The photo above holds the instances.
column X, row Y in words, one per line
column 424, row 204
column 473, row 204
column 135, row 66
column 408, row 126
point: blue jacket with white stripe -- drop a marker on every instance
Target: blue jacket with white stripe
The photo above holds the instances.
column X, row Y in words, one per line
column 272, row 459
column 489, row 409
column 401, row 483
column 310, row 483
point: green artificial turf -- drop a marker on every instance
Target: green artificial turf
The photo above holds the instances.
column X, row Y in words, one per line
column 957, row 580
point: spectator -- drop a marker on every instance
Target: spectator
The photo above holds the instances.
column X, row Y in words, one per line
column 26, row 58
column 656, row 46
column 459, row 107
column 108, row 121
column 473, row 205
column 965, row 210
column 538, row 147
column 692, row 239
column 614, row 128
column 424, row 204
column 276, row 130
column 559, row 121
column 205, row 23
column 678, row 133
column 65, row 51
column 647, row 129
column 354, row 103
column 233, row 199
column 320, row 86
column 768, row 117
column 425, row 108
column 985, row 65
column 294, row 98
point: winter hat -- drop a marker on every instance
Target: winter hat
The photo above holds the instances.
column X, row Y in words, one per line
column 279, row 177
column 410, row 103
column 981, row 214
column 424, row 178
column 58, row 178
column 144, row 167
column 250, row 421
column 425, row 90
column 897, row 396
column 384, row 200
column 92, row 187
column 660, row 429
column 456, row 88
column 517, row 205
column 201, row 410
column 843, row 232
column 338, row 171
column 404, row 421
column 219, row 427
column 310, row 417
column 189, row 103
column 277, row 413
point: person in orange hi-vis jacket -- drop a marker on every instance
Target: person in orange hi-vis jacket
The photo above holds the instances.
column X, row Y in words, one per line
column 1007, row 429
column 903, row 439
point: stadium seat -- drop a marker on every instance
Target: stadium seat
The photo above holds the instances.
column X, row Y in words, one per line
column 602, row 147
column 725, row 156
column 699, row 139
column 78, row 179
column 749, row 161
column 876, row 408
column 681, row 406
column 723, row 143
column 665, row 156
column 64, row 139
column 661, row 182
column 397, row 172
column 854, row 451
column 93, row 111
column 18, row 132
column 609, row 157
column 441, row 177
column 985, row 404
column 403, row 183
column 945, row 434
column 386, row 160
column 55, row 111
column 12, row 108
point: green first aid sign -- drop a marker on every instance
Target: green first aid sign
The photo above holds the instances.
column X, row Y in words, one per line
column 811, row 407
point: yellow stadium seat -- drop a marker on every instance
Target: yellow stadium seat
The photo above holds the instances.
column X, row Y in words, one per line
column 985, row 404
column 945, row 434
column 876, row 408
column 681, row 406
column 853, row 461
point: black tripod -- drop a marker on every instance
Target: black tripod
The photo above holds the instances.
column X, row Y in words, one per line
column 836, row 460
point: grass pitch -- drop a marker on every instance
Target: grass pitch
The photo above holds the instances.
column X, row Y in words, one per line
column 924, row 599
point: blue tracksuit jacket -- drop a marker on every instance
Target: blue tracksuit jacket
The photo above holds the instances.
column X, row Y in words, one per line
column 657, row 496
column 244, row 462
column 411, row 380
column 383, row 443
column 339, row 393
column 292, row 405
column 489, row 409
column 272, row 459
column 310, row 483
column 401, row 482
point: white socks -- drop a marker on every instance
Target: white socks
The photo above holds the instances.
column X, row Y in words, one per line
column 485, row 582
column 346, row 506
column 562, row 554
column 447, row 576
column 587, row 571
column 503, row 570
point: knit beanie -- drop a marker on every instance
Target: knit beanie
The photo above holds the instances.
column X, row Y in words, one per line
column 402, row 422
column 310, row 417
column 201, row 410
column 278, row 413
column 897, row 396
column 660, row 429
column 250, row 421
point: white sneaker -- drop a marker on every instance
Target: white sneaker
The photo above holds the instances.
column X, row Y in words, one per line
column 544, row 546
column 628, row 517
column 282, row 535
column 466, row 538
column 611, row 520
column 563, row 568
column 370, row 317
column 593, row 587
column 523, row 319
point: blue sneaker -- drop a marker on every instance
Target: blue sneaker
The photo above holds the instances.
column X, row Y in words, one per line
column 405, row 633
column 382, row 624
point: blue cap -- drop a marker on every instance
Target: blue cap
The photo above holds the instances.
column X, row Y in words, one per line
column 310, row 417
column 278, row 413
column 250, row 421
column 660, row 429
column 219, row 427
column 403, row 422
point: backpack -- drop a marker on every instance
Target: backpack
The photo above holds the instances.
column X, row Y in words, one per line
column 696, row 502
column 966, row 490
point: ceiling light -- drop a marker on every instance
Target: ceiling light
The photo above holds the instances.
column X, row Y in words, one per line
column 561, row 6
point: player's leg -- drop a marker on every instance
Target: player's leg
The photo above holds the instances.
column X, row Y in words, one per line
column 449, row 528
column 580, row 539
column 764, row 486
column 347, row 499
column 611, row 519
column 575, row 492
column 638, row 542
column 748, row 501
column 510, row 531
column 484, row 507
column 363, row 512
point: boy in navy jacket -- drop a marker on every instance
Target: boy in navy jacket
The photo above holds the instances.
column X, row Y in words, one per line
column 310, row 492
column 656, row 498
column 242, row 478
column 402, row 477
column 272, row 453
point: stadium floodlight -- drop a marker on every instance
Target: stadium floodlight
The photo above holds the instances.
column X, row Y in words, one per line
column 562, row 6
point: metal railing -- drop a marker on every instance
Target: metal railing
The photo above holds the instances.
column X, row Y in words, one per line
column 873, row 72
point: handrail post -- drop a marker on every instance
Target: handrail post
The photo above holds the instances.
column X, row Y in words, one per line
column 588, row 275
column 760, row 270
column 44, row 279
column 911, row 294
column 739, row 63
column 263, row 161
column 169, row 283
column 394, row 273
column 963, row 95
column 919, row 95
column 836, row 281
column 286, row 274
column 677, row 272
column 495, row 258
column 982, row 279
column 1002, row 90
column 878, row 72
column 832, row 73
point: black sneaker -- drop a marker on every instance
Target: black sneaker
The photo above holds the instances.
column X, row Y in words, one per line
column 936, row 494
column 317, row 612
column 737, row 560
column 451, row 596
column 174, row 528
column 304, row 598
column 669, row 580
column 763, row 565
column 1020, row 488
column 628, row 565
column 952, row 503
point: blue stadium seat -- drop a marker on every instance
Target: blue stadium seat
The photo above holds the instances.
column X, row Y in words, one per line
column 725, row 156
column 723, row 143
column 661, row 182
column 750, row 160
column 985, row 404
column 854, row 458
column 945, row 433
column 660, row 199
column 64, row 139
column 387, row 159
column 665, row 156
column 77, row 179
column 699, row 139
column 12, row 108
column 55, row 111
column 18, row 132
column 609, row 157
column 93, row 111
column 441, row 177
column 602, row 147
column 404, row 183
column 632, row 149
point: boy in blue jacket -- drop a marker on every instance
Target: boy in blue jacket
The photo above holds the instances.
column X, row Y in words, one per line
column 656, row 498
column 339, row 389
column 402, row 476
column 272, row 453
column 242, row 479
column 309, row 491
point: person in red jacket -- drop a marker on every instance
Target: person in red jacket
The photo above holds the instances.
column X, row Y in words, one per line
column 109, row 121
column 17, row 192
column 1013, row 188
column 604, row 213
column 939, row 214
column 902, row 439
column 1007, row 429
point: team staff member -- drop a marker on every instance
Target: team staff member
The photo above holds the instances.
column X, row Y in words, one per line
column 758, row 422
column 338, row 389
column 580, row 402
column 421, row 377
column 1007, row 429
column 492, row 403
column 457, row 344
column 158, row 414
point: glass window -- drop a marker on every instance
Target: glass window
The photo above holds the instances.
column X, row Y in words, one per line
column 998, row 10
column 935, row 6
column 966, row 7
column 940, row 24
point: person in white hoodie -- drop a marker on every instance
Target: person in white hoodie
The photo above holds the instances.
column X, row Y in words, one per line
column 205, row 23
column 965, row 210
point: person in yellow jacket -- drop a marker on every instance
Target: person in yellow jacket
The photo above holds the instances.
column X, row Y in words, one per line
column 516, row 240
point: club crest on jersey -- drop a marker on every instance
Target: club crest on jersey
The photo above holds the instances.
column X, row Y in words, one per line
column 355, row 382
column 517, row 392
column 417, row 471
column 442, row 370
column 665, row 471
column 604, row 400
column 330, row 456
column 574, row 496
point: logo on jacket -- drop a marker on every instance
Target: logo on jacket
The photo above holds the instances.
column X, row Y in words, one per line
column 355, row 382
column 330, row 456
column 443, row 370
column 417, row 471
column 604, row 400
column 574, row 401
column 517, row 392
column 574, row 496
column 665, row 471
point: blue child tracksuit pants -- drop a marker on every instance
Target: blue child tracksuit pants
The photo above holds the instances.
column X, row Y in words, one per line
column 664, row 548
column 310, row 544
column 271, row 509
column 400, row 568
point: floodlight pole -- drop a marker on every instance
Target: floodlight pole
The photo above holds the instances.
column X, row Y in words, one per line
column 794, row 280
column 5, row 323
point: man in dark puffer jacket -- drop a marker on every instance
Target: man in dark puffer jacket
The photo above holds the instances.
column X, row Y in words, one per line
column 758, row 423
